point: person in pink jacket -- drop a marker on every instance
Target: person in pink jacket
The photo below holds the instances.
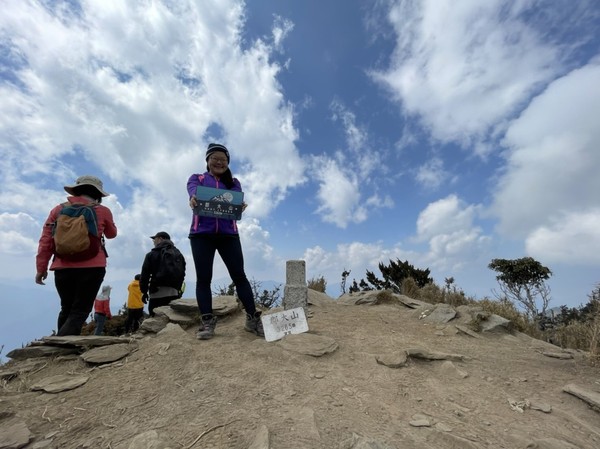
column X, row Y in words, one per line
column 77, row 282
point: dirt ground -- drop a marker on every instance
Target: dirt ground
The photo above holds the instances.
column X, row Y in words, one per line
column 226, row 392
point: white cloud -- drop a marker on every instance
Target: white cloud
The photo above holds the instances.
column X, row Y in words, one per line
column 13, row 242
column 465, row 67
column 574, row 239
column 136, row 105
column 132, row 99
column 432, row 174
column 553, row 159
column 338, row 193
column 444, row 216
column 448, row 225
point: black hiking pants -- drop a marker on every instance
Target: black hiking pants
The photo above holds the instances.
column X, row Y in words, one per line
column 229, row 247
column 77, row 288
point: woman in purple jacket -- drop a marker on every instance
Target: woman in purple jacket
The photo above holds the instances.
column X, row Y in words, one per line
column 208, row 234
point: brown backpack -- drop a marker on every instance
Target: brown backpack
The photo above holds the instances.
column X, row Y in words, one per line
column 75, row 232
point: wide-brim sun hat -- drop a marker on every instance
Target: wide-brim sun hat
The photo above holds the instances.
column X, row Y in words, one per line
column 87, row 180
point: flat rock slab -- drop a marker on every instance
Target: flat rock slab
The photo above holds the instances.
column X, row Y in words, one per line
column 30, row 352
column 176, row 317
column 309, row 344
column 108, row 354
column 56, row 384
column 14, row 434
column 84, row 340
column 222, row 305
column 187, row 306
column 591, row 397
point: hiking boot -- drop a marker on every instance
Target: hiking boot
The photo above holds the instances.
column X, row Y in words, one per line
column 207, row 330
column 254, row 324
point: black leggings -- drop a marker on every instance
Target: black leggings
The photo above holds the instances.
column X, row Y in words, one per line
column 229, row 247
column 77, row 288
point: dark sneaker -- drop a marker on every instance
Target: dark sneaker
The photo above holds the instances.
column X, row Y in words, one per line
column 207, row 330
column 254, row 324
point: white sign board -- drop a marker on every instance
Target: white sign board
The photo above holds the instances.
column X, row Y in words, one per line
column 279, row 324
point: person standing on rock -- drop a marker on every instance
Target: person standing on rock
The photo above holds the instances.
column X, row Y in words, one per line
column 102, row 309
column 208, row 235
column 135, row 305
column 163, row 273
column 77, row 276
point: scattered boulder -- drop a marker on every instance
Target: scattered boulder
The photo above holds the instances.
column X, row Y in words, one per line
column 483, row 321
column 154, row 325
column 440, row 313
column 173, row 332
column 394, row 360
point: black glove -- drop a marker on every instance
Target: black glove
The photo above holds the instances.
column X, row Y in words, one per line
column 145, row 298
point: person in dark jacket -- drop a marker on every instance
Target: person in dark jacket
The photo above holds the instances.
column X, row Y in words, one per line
column 157, row 295
column 209, row 235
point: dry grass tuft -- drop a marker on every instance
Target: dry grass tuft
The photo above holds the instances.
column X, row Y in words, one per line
column 318, row 284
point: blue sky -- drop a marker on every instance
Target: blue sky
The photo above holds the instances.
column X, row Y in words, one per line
column 442, row 133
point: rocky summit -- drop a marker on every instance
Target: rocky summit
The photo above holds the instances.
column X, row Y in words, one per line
column 374, row 371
